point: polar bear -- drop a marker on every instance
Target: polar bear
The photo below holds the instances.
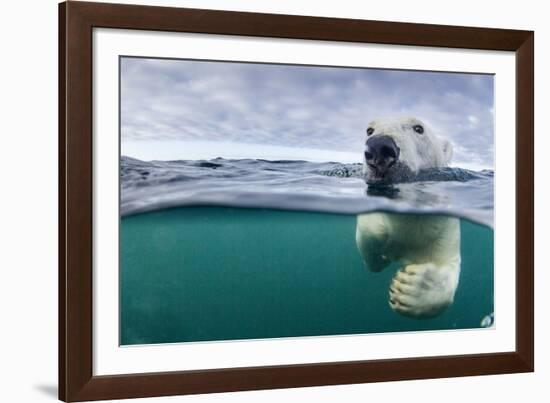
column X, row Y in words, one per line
column 427, row 246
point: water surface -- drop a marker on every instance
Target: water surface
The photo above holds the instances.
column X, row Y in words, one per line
column 300, row 185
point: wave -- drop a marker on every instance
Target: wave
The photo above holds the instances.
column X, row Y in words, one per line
column 300, row 185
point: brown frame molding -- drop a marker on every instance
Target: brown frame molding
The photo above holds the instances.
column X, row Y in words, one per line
column 76, row 22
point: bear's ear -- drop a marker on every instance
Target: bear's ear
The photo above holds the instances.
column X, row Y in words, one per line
column 447, row 151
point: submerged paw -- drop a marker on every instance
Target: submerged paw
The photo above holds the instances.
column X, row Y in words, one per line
column 419, row 291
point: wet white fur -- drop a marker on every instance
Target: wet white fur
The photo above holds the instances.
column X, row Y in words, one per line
column 417, row 151
column 427, row 246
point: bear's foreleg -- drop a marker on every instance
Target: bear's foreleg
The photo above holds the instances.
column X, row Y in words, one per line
column 371, row 238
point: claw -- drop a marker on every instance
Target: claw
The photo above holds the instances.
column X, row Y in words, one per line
column 409, row 270
column 402, row 278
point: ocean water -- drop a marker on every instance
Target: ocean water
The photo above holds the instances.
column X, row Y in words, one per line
column 250, row 249
column 300, row 185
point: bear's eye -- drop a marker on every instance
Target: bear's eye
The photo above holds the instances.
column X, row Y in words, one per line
column 370, row 130
column 419, row 129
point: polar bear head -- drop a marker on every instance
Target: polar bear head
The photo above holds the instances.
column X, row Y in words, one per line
column 397, row 148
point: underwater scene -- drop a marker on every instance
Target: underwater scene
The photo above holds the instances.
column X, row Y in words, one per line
column 221, row 271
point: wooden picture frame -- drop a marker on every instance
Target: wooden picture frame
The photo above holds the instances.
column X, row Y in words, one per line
column 76, row 23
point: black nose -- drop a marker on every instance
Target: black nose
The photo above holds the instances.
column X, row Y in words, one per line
column 381, row 151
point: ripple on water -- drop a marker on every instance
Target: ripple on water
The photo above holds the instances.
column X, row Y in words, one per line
column 300, row 185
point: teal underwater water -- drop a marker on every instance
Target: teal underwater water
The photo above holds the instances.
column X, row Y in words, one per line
column 223, row 273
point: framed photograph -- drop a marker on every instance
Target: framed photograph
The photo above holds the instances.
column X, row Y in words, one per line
column 253, row 201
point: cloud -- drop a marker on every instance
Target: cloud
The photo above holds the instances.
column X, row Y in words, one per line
column 321, row 108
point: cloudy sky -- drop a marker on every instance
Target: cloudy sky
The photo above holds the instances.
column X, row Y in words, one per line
column 179, row 109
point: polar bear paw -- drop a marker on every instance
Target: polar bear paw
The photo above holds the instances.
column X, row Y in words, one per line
column 422, row 290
